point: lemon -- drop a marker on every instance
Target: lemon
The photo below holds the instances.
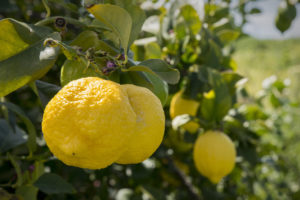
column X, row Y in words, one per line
column 180, row 106
column 90, row 122
column 150, row 125
column 214, row 155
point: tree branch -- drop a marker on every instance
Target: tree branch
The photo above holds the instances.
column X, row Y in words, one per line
column 190, row 188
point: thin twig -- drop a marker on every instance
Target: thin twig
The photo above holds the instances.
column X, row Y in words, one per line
column 190, row 188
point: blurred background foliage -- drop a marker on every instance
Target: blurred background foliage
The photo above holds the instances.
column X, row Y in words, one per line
column 212, row 53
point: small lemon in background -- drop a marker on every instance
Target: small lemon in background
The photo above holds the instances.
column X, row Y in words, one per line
column 91, row 123
column 214, row 155
column 180, row 106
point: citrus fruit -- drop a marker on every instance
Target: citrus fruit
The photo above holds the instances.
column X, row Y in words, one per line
column 180, row 106
column 90, row 122
column 149, row 128
column 214, row 155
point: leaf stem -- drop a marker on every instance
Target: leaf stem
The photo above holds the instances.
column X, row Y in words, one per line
column 48, row 11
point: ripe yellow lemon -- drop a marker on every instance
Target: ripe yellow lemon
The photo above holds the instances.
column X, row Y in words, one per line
column 180, row 106
column 150, row 125
column 90, row 122
column 214, row 155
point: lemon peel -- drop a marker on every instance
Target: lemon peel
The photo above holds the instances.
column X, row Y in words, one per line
column 180, row 106
column 90, row 122
column 214, row 155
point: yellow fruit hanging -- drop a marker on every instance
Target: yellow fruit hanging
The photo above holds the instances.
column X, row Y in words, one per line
column 180, row 106
column 91, row 123
column 149, row 128
column 214, row 155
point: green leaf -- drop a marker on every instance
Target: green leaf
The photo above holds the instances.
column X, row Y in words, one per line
column 9, row 138
column 144, row 77
column 162, row 69
column 117, row 19
column 227, row 35
column 17, row 36
column 26, row 66
column 28, row 192
column 286, row 14
column 85, row 40
column 103, row 46
column 191, row 19
column 217, row 102
column 138, row 78
column 72, row 70
column 46, row 91
column 231, row 80
column 160, row 87
column 53, row 184
column 255, row 11
column 152, row 51
column 140, row 68
column 31, row 142
column 138, row 17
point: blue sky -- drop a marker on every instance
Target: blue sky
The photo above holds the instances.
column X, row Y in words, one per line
column 263, row 25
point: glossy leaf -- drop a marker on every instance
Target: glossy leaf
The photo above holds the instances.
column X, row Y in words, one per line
column 162, row 69
column 152, row 51
column 9, row 138
column 26, row 66
column 138, row 17
column 73, row 69
column 53, row 184
column 31, row 142
column 138, row 78
column 46, row 91
column 217, row 102
column 17, row 36
column 85, row 40
column 160, row 87
column 116, row 18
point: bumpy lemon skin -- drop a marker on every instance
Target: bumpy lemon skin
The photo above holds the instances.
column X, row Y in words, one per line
column 214, row 155
column 150, row 125
column 180, row 106
column 88, row 123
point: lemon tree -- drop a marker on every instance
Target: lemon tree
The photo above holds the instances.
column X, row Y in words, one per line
column 137, row 99
column 107, row 108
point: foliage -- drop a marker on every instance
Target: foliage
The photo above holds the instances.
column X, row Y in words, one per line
column 59, row 49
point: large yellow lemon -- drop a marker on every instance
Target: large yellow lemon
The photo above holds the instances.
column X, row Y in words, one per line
column 180, row 106
column 150, row 125
column 90, row 122
column 214, row 155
